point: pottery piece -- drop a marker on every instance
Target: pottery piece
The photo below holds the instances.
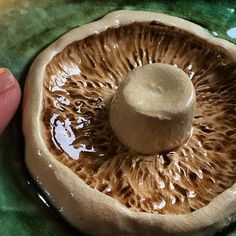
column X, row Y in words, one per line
column 74, row 79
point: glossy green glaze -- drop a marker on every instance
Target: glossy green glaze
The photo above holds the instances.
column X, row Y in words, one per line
column 28, row 26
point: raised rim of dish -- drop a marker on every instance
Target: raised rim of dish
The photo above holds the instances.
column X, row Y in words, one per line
column 87, row 208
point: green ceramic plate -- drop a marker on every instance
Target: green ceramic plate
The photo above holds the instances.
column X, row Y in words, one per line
column 28, row 26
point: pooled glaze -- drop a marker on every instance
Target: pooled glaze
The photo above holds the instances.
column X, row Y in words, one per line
column 77, row 131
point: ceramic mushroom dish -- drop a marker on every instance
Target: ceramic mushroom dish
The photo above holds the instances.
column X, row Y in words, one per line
column 130, row 126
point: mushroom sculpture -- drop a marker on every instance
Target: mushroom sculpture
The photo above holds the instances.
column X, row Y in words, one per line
column 130, row 126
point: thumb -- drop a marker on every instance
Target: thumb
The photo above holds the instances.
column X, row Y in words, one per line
column 9, row 97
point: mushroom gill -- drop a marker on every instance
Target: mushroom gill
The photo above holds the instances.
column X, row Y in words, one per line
column 78, row 85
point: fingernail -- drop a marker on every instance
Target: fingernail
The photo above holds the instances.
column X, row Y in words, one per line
column 7, row 79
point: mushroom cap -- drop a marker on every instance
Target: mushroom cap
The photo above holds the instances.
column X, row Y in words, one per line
column 53, row 79
column 153, row 108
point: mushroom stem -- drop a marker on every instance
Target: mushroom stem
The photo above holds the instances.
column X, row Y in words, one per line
column 153, row 108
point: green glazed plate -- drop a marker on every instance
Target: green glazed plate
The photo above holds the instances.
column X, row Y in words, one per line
column 27, row 27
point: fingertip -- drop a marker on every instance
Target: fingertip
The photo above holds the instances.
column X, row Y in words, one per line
column 10, row 95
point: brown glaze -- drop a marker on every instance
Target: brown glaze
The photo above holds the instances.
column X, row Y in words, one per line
column 78, row 85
